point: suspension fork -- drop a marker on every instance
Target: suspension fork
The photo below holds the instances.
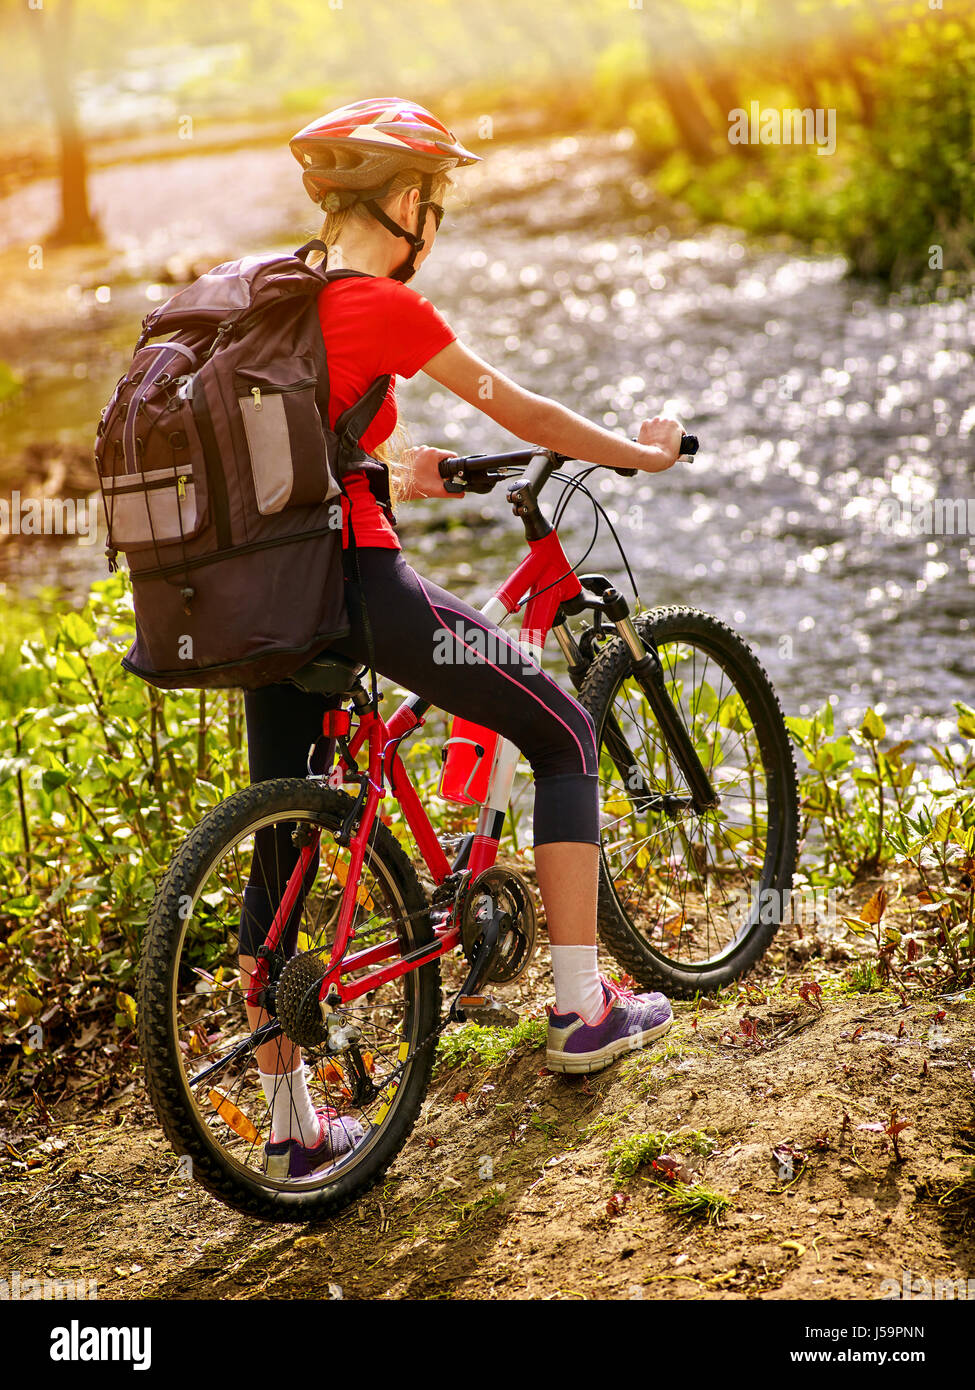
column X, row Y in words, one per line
column 648, row 673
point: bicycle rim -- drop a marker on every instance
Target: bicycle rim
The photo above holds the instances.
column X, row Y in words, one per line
column 208, row 1018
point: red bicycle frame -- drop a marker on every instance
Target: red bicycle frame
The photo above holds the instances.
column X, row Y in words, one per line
column 542, row 581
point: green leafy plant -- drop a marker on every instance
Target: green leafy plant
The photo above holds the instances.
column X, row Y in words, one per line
column 627, row 1156
column 848, row 804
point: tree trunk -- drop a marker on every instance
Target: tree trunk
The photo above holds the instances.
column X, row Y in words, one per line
column 685, row 112
column 673, row 46
column 52, row 28
column 864, row 93
column 721, row 86
column 804, row 81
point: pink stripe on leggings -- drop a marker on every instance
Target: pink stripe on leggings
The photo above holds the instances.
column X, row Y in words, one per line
column 437, row 611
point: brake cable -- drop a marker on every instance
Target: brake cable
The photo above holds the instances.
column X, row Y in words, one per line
column 577, row 482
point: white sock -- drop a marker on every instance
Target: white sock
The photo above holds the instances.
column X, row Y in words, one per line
column 289, row 1101
column 577, row 985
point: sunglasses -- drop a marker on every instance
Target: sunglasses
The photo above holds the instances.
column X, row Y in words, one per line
column 437, row 212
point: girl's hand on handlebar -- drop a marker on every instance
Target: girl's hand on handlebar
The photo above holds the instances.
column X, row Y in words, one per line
column 664, row 434
column 425, row 480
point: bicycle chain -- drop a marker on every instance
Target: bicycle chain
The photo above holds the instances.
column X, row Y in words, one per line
column 425, row 1042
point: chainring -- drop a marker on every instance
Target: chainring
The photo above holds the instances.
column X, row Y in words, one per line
column 510, row 893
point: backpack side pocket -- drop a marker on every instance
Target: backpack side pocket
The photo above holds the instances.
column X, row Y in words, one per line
column 151, row 466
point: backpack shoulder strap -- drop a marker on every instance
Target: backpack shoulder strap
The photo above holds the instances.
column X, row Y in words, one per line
column 338, row 273
column 359, row 423
column 313, row 245
column 352, row 424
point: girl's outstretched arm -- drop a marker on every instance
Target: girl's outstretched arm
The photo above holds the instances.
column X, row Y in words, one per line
column 539, row 420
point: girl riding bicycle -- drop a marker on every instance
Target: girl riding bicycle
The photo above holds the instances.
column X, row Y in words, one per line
column 379, row 169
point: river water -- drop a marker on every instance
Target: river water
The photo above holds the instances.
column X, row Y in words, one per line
column 835, row 421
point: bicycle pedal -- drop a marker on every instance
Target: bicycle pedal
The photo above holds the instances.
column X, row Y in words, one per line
column 471, row 1001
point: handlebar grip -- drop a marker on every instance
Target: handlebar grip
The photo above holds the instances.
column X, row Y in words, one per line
column 473, row 482
column 689, row 445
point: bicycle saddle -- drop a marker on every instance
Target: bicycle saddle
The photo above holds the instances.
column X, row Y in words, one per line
column 328, row 673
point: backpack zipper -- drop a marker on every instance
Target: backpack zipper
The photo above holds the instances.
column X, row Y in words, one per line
column 271, row 389
column 156, row 485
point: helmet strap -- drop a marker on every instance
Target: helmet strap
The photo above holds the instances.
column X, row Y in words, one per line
column 407, row 269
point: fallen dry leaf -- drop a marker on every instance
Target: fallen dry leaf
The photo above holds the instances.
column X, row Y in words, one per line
column 873, row 910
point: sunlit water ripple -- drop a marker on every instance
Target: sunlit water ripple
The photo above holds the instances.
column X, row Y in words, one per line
column 818, row 400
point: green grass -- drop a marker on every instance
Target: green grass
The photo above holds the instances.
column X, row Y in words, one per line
column 695, row 1202
column 468, row 1214
column 628, row 1155
column 491, row 1046
column 604, row 1123
column 864, row 979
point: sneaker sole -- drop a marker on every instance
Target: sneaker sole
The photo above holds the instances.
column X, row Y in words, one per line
column 583, row 1062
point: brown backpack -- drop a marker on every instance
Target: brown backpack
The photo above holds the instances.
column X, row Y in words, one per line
column 222, row 480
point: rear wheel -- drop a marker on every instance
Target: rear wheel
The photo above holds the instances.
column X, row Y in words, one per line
column 194, row 1027
column 689, row 901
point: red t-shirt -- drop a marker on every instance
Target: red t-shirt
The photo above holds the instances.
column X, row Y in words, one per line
column 374, row 325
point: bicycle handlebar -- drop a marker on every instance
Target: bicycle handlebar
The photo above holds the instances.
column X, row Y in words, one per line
column 477, row 472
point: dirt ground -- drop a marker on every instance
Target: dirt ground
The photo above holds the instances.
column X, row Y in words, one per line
column 506, row 1190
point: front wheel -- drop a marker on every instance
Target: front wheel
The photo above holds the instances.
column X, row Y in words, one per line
column 689, row 901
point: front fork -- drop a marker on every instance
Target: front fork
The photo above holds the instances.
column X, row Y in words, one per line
column 648, row 673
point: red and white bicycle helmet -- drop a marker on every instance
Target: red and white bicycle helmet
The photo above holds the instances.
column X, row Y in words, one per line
column 353, row 154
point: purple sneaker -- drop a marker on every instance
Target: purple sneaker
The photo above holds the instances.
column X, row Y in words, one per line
column 289, row 1158
column 629, row 1021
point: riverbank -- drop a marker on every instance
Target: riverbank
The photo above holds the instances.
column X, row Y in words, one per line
column 103, row 778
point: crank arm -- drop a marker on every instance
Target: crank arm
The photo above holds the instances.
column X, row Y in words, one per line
column 487, row 950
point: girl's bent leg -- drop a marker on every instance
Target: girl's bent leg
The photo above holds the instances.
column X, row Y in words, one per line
column 436, row 645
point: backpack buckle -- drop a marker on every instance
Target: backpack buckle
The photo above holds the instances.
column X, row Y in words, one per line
column 348, row 442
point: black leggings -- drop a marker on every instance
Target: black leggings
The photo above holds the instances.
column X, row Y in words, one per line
column 440, row 648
